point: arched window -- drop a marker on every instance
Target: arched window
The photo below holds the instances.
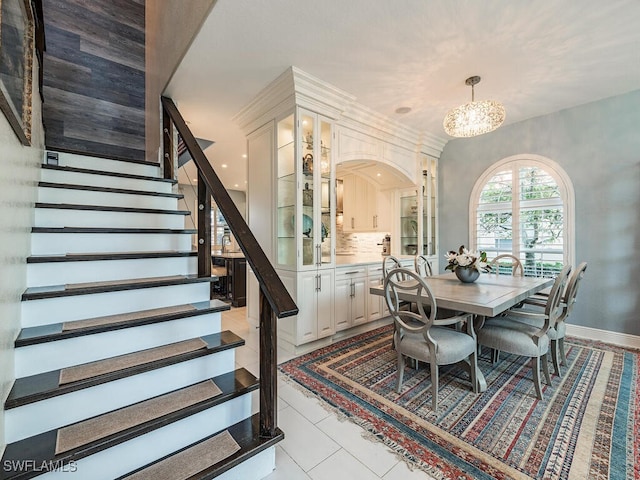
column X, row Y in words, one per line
column 524, row 205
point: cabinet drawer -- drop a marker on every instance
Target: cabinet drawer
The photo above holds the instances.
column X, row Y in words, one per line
column 351, row 272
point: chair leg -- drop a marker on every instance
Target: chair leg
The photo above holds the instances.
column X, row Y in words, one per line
column 545, row 368
column 434, row 386
column 535, row 366
column 563, row 358
column 473, row 361
column 400, row 371
column 554, row 357
column 495, row 356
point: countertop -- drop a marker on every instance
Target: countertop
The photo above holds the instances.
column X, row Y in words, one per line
column 219, row 254
column 364, row 259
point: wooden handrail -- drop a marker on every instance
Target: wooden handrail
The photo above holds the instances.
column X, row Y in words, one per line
column 270, row 283
column 274, row 299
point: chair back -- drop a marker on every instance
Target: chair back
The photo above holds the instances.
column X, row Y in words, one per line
column 507, row 259
column 571, row 291
column 404, row 281
column 389, row 263
column 552, row 310
column 423, row 266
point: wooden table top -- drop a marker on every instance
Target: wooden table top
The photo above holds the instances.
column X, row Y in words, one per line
column 489, row 296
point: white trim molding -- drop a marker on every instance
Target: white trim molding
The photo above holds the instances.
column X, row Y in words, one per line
column 606, row 336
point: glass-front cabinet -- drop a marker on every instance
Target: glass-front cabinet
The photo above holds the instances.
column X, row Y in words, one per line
column 409, row 223
column 429, row 206
column 305, row 192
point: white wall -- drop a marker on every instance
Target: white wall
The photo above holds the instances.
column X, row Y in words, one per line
column 598, row 146
column 19, row 174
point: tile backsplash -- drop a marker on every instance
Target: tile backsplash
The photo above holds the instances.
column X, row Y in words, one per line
column 360, row 242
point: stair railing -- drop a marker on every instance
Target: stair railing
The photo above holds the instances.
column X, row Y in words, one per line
column 275, row 301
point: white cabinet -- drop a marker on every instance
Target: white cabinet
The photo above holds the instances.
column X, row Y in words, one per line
column 351, row 297
column 316, row 304
column 305, row 192
column 362, row 208
column 313, row 292
column 377, row 307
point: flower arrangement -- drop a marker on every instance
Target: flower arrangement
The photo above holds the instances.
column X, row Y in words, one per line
column 464, row 258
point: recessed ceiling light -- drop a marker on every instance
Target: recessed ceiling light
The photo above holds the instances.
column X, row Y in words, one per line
column 236, row 185
column 403, row 110
column 224, row 165
column 378, row 174
column 195, row 179
column 244, row 155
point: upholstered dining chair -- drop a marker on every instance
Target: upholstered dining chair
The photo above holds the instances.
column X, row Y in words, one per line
column 558, row 331
column 422, row 337
column 506, row 259
column 511, row 334
column 423, row 266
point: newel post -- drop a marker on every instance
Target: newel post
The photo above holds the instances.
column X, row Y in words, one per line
column 268, row 369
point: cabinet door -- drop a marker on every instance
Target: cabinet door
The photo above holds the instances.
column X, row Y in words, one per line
column 375, row 301
column 371, row 221
column 342, row 303
column 349, row 203
column 307, row 324
column 325, row 304
column 358, row 301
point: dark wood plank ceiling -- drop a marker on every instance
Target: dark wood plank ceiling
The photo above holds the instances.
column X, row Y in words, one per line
column 94, row 77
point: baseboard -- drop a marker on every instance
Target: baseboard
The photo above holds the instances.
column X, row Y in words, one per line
column 622, row 339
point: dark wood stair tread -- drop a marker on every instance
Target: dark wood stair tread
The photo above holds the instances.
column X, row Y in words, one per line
column 103, row 208
column 45, row 385
column 56, row 331
column 102, row 156
column 41, row 447
column 94, row 188
column 55, row 291
column 102, row 230
column 84, row 257
column 108, row 174
column 246, row 433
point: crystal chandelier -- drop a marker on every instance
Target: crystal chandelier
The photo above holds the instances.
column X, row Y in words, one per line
column 474, row 118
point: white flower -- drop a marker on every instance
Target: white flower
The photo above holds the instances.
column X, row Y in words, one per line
column 464, row 260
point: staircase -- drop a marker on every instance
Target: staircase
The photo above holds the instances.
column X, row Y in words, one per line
column 122, row 367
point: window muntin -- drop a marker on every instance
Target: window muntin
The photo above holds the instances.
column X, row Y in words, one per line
column 520, row 207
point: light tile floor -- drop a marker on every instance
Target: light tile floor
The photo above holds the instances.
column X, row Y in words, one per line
column 318, row 444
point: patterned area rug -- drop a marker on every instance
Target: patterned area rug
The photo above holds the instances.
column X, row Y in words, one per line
column 587, row 426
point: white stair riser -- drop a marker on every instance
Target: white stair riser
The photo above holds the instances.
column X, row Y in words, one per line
column 79, row 178
column 60, row 273
column 121, row 459
column 77, row 307
column 44, row 357
column 257, row 467
column 90, row 197
column 60, row 217
column 61, row 243
column 27, row 420
column 107, row 165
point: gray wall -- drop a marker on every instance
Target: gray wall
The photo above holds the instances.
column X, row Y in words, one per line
column 598, row 146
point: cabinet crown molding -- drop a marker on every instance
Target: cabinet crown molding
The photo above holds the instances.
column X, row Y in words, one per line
column 293, row 87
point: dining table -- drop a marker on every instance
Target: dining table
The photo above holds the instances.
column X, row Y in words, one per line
column 489, row 296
